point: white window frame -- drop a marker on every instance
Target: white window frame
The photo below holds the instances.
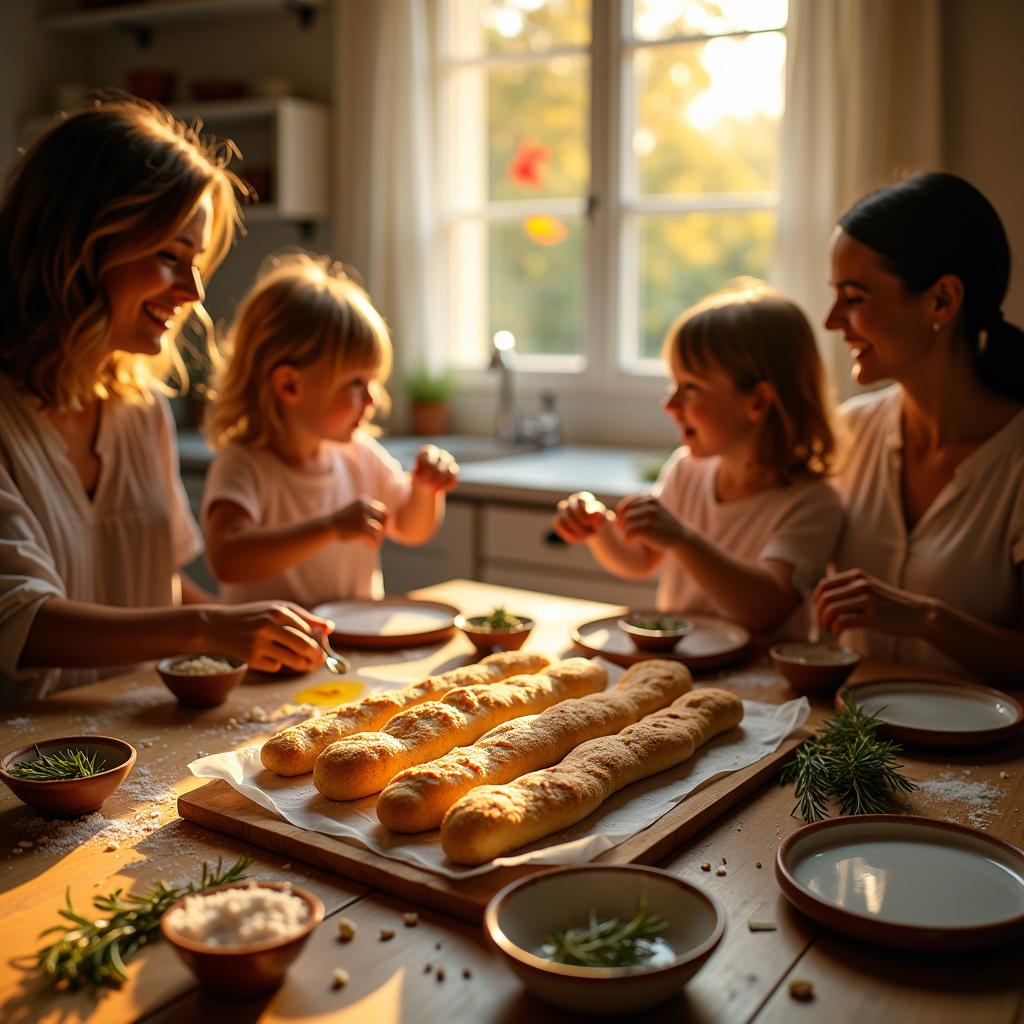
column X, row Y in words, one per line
column 609, row 317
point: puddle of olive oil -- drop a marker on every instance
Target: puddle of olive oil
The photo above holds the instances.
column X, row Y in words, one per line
column 662, row 954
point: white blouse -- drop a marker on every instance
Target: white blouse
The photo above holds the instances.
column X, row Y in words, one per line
column 122, row 547
column 967, row 550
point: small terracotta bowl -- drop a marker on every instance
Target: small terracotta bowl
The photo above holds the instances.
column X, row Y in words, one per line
column 70, row 798
column 655, row 639
column 487, row 640
column 205, row 691
column 246, row 970
column 519, row 919
column 814, row 668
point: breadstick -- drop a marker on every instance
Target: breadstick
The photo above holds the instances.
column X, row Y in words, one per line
column 491, row 820
column 417, row 799
column 360, row 765
column 294, row 750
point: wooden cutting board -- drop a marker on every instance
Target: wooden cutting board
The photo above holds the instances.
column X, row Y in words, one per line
column 221, row 808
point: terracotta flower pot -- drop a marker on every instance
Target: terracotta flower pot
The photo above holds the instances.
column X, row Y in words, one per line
column 430, row 418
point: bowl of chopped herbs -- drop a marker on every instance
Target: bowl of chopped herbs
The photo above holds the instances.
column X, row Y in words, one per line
column 67, row 776
column 655, row 631
column 604, row 939
column 498, row 630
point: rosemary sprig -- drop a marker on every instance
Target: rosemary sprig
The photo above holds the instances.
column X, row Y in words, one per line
column 848, row 763
column 61, row 764
column 608, row 942
column 500, row 619
column 94, row 952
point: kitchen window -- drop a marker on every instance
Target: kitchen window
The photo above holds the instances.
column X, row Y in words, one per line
column 604, row 165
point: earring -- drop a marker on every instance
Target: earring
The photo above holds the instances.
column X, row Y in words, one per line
column 936, row 326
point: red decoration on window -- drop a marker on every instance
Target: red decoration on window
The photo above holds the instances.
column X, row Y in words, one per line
column 525, row 167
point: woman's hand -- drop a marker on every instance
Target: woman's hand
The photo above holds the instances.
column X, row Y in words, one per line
column 579, row 517
column 268, row 635
column 435, row 469
column 364, row 520
column 857, row 600
column 642, row 517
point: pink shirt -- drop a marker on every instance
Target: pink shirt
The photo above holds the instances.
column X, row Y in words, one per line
column 798, row 524
column 274, row 494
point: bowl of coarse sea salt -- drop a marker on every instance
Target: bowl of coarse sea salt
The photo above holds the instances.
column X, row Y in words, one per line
column 241, row 939
column 202, row 680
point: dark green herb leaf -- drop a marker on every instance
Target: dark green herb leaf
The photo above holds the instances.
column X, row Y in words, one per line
column 848, row 763
column 95, row 951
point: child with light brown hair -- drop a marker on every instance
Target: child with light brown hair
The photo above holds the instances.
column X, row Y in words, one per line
column 741, row 522
column 300, row 496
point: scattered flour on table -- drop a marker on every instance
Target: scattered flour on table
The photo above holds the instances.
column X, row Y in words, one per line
column 975, row 800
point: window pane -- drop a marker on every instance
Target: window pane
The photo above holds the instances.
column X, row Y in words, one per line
column 535, row 280
column 707, row 115
column 518, row 133
column 682, row 259
column 663, row 19
column 483, row 27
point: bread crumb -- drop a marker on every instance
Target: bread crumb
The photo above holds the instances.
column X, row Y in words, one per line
column 801, row 990
column 724, row 861
column 466, row 972
column 757, row 925
column 1004, row 775
column 111, row 847
column 705, row 866
column 286, row 867
column 440, row 974
column 757, row 863
column 411, row 919
column 386, row 934
column 720, row 871
column 346, row 930
column 339, row 979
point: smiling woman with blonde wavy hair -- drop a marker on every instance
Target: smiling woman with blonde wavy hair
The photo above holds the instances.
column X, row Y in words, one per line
column 109, row 223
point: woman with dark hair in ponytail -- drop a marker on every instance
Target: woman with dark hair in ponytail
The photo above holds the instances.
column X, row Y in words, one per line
column 931, row 564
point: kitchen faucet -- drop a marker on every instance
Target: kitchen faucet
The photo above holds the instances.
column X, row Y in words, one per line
column 545, row 432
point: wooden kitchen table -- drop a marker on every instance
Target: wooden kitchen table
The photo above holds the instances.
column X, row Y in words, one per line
column 746, row 979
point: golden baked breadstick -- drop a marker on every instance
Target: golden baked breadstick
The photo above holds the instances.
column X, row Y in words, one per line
column 360, row 765
column 491, row 820
column 418, row 798
column 294, row 750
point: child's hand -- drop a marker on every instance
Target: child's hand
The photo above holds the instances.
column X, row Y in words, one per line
column 643, row 517
column 579, row 517
column 435, row 469
column 364, row 520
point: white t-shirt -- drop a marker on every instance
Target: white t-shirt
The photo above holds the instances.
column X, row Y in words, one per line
column 797, row 524
column 123, row 547
column 966, row 550
column 274, row 494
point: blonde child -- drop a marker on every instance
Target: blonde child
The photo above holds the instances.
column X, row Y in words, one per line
column 741, row 521
column 300, row 496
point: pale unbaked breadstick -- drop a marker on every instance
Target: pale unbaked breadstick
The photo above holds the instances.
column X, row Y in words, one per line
column 491, row 820
column 294, row 750
column 417, row 799
column 360, row 765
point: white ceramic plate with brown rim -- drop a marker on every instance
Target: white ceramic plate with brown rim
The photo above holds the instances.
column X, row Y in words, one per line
column 937, row 713
column 391, row 622
column 905, row 882
column 711, row 643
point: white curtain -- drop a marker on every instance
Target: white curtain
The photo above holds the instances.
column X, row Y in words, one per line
column 385, row 152
column 863, row 105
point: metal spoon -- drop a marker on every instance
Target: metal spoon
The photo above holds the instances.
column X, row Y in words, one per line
column 335, row 662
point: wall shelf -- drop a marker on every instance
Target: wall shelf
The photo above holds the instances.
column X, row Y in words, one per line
column 142, row 18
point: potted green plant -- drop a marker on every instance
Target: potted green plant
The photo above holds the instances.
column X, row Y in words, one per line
column 429, row 392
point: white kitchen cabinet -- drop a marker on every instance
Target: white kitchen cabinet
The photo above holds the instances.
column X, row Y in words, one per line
column 450, row 553
column 518, row 548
